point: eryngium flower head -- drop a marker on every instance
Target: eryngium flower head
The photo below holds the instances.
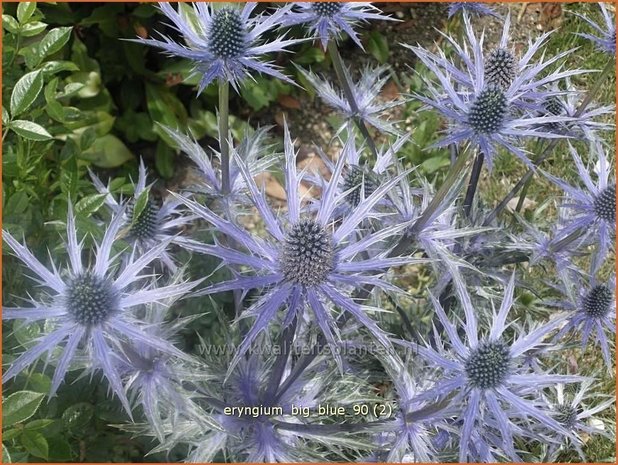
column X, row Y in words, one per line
column 574, row 410
column 591, row 307
column 327, row 20
column 494, row 97
column 224, row 43
column 585, row 122
column 606, row 38
column 307, row 260
column 591, row 208
column 487, row 378
column 91, row 307
column 153, row 224
column 366, row 94
column 474, row 8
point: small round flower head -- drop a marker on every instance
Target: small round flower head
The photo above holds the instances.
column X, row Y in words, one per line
column 591, row 208
column 574, row 412
column 606, row 38
column 584, row 125
column 485, row 376
column 91, row 307
column 327, row 20
column 224, row 43
column 151, row 225
column 308, row 259
column 366, row 95
column 502, row 94
column 591, row 307
column 473, row 8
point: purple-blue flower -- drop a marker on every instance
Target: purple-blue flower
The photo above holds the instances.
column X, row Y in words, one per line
column 153, row 224
column 90, row 307
column 486, row 376
column 327, row 20
column 307, row 260
column 606, row 38
column 591, row 307
column 493, row 99
column 590, row 209
column 225, row 43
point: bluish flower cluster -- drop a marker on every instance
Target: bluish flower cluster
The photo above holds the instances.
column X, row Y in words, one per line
column 323, row 359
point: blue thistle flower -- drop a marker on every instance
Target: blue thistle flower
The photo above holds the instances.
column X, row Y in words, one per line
column 153, row 225
column 366, row 95
column 500, row 92
column 487, row 377
column 606, row 38
column 591, row 307
column 584, row 124
column 591, row 208
column 327, row 20
column 224, row 43
column 473, row 8
column 307, row 260
column 575, row 411
column 91, row 307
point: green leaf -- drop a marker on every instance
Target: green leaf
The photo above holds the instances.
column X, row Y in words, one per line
column 32, row 29
column 39, row 382
column 38, row 424
column 6, row 458
column 20, row 406
column 53, row 41
column 164, row 160
column 25, row 10
column 25, row 92
column 53, row 67
column 30, row 130
column 35, row 443
column 77, row 417
column 140, row 204
column 90, row 204
column 12, row 433
column 24, row 332
column 108, row 152
column 378, row 46
column 10, row 24
column 5, row 116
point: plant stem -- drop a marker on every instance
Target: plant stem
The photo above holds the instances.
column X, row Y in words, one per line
column 609, row 67
column 346, row 85
column 224, row 128
column 473, row 183
column 435, row 204
column 285, row 342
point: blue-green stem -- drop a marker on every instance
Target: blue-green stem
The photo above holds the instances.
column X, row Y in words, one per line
column 590, row 95
column 346, row 85
column 224, row 129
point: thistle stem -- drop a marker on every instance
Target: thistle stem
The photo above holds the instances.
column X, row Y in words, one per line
column 346, row 85
column 285, row 342
column 609, row 67
column 435, row 204
column 224, row 128
column 473, row 183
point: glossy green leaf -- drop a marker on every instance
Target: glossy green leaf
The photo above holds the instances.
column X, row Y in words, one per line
column 108, row 152
column 35, row 443
column 30, row 130
column 25, row 11
column 90, row 204
column 77, row 417
column 25, row 92
column 10, row 24
column 378, row 46
column 33, row 28
column 20, row 406
column 54, row 41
